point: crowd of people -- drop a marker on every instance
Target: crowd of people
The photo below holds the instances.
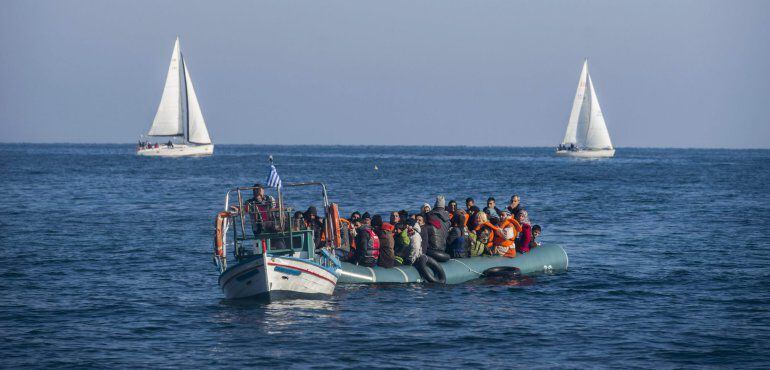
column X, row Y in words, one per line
column 443, row 231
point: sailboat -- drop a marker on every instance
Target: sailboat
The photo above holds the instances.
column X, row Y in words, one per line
column 587, row 135
column 179, row 116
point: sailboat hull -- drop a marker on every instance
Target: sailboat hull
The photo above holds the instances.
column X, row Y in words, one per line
column 601, row 153
column 180, row 150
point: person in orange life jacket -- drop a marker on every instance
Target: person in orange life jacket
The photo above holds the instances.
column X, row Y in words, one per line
column 515, row 207
column 451, row 208
column 525, row 236
column 490, row 209
column 483, row 225
column 367, row 245
column 384, row 232
column 314, row 223
column 536, row 230
column 472, row 217
column 457, row 237
column 506, row 238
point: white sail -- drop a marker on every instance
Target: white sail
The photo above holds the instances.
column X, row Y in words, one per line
column 570, row 137
column 597, row 136
column 197, row 132
column 169, row 118
column 586, row 127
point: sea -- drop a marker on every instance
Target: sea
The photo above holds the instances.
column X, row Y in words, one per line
column 106, row 261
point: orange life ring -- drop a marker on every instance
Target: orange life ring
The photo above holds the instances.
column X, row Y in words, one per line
column 334, row 215
column 219, row 234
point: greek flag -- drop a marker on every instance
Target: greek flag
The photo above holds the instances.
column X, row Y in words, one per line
column 273, row 180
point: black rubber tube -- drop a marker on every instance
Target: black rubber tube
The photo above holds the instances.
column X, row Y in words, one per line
column 430, row 270
column 502, row 271
column 439, row 256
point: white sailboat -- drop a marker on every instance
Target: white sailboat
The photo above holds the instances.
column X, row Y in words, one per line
column 179, row 116
column 587, row 135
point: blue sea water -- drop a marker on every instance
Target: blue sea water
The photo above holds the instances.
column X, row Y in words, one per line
column 106, row 261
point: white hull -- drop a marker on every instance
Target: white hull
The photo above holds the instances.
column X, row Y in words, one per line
column 280, row 276
column 602, row 153
column 180, row 150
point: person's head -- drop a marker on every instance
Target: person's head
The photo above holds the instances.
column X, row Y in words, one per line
column 522, row 216
column 395, row 218
column 298, row 214
column 366, row 219
column 425, row 208
column 481, row 218
column 514, row 201
column 536, row 230
column 403, row 214
column 491, row 202
column 504, row 215
column 259, row 192
column 469, row 202
column 355, row 216
column 440, row 202
column 452, row 206
column 474, row 210
column 377, row 221
column 401, row 226
column 311, row 213
column 271, row 201
column 420, row 220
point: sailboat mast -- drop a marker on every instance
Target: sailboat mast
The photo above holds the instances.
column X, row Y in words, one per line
column 186, row 98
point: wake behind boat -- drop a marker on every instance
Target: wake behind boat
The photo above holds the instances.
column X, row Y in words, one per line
column 587, row 135
column 179, row 117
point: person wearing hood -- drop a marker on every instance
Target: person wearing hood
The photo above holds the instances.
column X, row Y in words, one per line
column 525, row 236
column 384, row 231
column 438, row 224
column 414, row 250
column 423, row 231
column 367, row 250
column 458, row 235
column 314, row 223
column 424, row 210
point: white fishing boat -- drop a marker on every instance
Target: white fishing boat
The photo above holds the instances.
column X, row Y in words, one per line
column 587, row 135
column 178, row 125
column 274, row 259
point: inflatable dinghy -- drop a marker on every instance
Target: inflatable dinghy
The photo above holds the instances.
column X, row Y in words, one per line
column 543, row 259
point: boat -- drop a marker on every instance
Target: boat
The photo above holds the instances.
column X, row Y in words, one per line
column 272, row 259
column 178, row 118
column 587, row 135
column 547, row 258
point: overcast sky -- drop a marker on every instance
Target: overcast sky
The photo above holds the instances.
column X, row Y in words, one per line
column 667, row 73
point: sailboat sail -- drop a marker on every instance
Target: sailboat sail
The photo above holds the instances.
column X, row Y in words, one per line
column 197, row 132
column 596, row 135
column 586, row 127
column 570, row 136
column 169, row 118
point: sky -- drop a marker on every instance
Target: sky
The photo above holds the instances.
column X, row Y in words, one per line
column 444, row 72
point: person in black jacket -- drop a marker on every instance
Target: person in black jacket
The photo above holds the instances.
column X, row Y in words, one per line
column 515, row 207
column 438, row 225
column 491, row 209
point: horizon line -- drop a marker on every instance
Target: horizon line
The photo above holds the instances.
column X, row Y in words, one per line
column 384, row 145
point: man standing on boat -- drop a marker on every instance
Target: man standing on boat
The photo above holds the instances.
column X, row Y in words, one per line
column 257, row 207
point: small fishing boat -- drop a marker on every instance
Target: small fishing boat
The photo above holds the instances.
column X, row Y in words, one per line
column 543, row 259
column 179, row 117
column 273, row 259
column 587, row 135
